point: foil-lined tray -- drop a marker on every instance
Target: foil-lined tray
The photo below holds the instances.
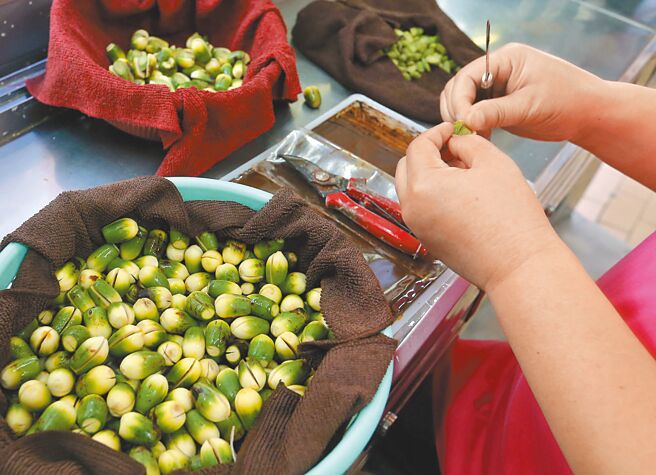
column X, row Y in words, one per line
column 363, row 140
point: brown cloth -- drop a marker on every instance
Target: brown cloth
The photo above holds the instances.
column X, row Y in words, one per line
column 345, row 38
column 292, row 432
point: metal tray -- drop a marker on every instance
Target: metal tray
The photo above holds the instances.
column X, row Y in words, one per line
column 359, row 138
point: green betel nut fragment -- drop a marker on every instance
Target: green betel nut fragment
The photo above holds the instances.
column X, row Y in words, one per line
column 415, row 53
column 459, row 128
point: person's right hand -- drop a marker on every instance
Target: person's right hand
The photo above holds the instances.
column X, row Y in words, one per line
column 535, row 95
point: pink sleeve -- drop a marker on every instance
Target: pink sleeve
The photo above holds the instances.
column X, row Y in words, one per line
column 490, row 422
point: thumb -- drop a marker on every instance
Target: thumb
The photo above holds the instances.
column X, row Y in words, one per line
column 474, row 151
column 506, row 111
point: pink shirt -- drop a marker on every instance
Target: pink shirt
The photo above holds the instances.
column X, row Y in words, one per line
column 493, row 425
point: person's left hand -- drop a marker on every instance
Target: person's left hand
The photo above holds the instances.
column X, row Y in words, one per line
column 479, row 216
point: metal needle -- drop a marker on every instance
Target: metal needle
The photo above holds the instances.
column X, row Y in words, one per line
column 488, row 79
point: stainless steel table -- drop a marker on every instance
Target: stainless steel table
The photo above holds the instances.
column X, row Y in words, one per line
column 66, row 150
column 75, row 151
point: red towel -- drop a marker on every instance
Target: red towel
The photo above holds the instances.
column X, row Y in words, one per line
column 198, row 128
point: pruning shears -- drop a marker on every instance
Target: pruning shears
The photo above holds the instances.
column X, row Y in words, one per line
column 376, row 214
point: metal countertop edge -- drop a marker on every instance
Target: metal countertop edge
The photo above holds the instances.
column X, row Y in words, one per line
column 563, row 164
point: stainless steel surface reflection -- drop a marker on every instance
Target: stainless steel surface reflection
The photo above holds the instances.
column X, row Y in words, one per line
column 582, row 32
column 334, row 160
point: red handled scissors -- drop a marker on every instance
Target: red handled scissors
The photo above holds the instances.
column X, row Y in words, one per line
column 378, row 215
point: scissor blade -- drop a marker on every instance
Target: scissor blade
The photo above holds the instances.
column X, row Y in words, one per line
column 301, row 165
column 324, row 182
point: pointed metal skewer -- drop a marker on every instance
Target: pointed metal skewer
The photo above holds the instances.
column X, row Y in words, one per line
column 487, row 81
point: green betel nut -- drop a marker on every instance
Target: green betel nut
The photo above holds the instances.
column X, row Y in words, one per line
column 66, row 317
column 59, row 415
column 183, row 396
column 74, row 336
column 263, row 249
column 287, row 346
column 161, row 296
column 120, row 399
column 215, row 451
column 44, row 341
column 193, row 343
column 232, row 423
column 137, row 429
column 67, row 276
column 60, row 382
column 153, row 333
column 227, row 381
column 210, row 402
column 251, row 270
column 80, row 298
column 173, row 269
column 227, row 272
column 155, row 244
column 171, row 352
column 219, row 287
column 151, row 276
column 288, row 322
column 151, row 392
column 99, row 380
column 248, row 405
column 276, row 268
column 262, row 348
column 141, row 364
column 126, row 340
column 197, row 281
column 313, row 331
column 246, row 328
column 200, row 305
column 178, row 239
column 101, row 257
column 176, row 321
column 90, row 353
column 18, row 419
column 263, row 307
column 184, row 373
column 92, row 413
column 34, row 395
column 131, row 249
column 199, row 427
column 234, row 252
column 251, row 374
column 289, row 373
column 230, row 306
column 103, row 294
column 96, row 322
column 312, row 97
column 120, row 230
column 169, row 416
column 145, row 458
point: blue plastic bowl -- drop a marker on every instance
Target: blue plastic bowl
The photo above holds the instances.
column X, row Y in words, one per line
column 363, row 425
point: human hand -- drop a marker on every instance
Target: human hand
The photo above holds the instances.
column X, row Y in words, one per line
column 535, row 95
column 479, row 217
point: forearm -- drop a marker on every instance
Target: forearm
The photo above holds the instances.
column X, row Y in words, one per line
column 620, row 130
column 594, row 381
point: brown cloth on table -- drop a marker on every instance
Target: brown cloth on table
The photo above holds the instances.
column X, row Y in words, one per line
column 292, row 432
column 345, row 38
